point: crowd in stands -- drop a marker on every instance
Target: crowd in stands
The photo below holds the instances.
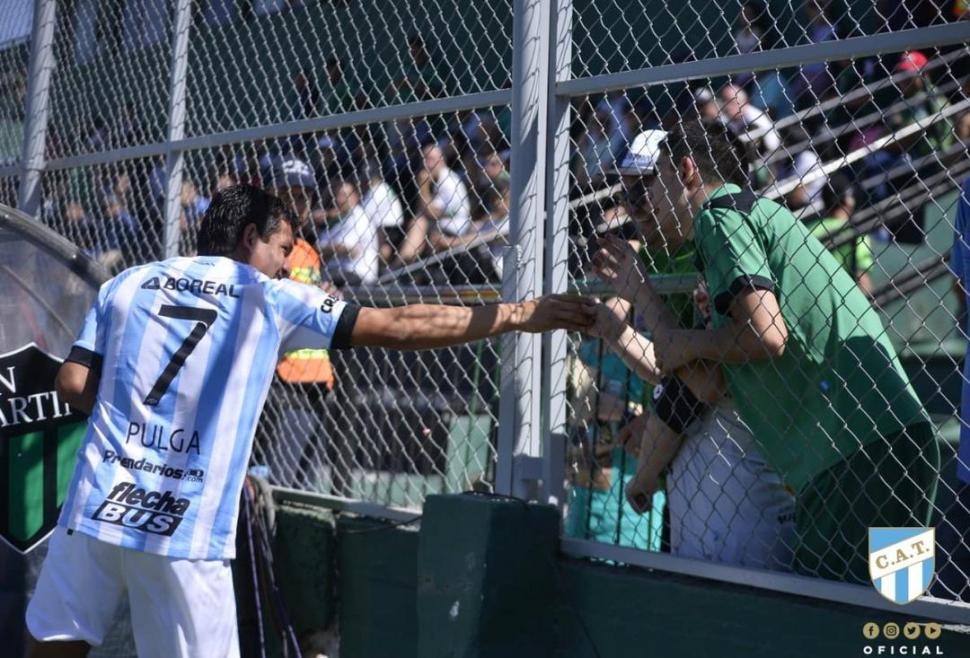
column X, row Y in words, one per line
column 432, row 184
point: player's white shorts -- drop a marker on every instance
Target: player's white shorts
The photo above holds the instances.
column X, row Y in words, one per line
column 179, row 608
column 726, row 503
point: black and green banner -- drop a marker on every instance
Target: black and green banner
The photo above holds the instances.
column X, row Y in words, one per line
column 39, row 439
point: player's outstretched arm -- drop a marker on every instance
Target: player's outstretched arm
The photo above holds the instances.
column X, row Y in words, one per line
column 77, row 385
column 427, row 326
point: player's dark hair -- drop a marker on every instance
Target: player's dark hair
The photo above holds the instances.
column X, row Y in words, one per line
column 232, row 210
column 718, row 154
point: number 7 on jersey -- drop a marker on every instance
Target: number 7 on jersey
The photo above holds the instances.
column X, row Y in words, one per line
column 204, row 318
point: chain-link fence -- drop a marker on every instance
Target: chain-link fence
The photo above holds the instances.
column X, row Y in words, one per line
column 457, row 153
column 827, row 418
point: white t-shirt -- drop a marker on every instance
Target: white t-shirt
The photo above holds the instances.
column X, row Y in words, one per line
column 353, row 230
column 383, row 207
column 807, row 162
column 499, row 246
column 451, row 198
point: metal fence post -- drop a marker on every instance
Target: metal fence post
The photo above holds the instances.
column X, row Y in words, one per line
column 38, row 105
column 520, row 432
column 556, row 276
column 176, row 125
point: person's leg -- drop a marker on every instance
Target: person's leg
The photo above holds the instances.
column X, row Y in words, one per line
column 181, row 608
column 77, row 593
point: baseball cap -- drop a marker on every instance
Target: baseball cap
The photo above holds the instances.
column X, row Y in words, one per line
column 641, row 159
column 912, row 60
column 289, row 172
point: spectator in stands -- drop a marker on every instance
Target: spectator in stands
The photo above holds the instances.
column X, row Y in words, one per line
column 962, row 129
column 381, row 204
column 705, row 103
column 78, row 227
column 814, row 78
column 498, row 201
column 838, row 199
column 224, row 180
column 953, row 531
column 922, row 101
column 594, row 151
column 747, row 121
column 444, row 212
column 755, row 31
column 494, row 173
column 420, row 81
column 806, row 168
column 306, row 100
column 193, row 205
column 813, row 376
column 116, row 235
column 348, row 243
column 338, row 96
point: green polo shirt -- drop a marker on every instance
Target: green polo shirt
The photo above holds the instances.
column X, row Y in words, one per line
column 839, row 384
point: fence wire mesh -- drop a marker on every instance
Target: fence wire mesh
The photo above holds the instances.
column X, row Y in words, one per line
column 866, row 154
column 794, row 453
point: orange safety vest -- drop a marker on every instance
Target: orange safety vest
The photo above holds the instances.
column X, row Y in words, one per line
column 306, row 366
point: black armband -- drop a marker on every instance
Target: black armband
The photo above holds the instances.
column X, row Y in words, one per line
column 675, row 404
column 85, row 357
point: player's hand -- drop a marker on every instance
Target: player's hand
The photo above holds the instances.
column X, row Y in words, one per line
column 610, row 320
column 616, row 262
column 570, row 312
column 640, row 490
column 630, row 434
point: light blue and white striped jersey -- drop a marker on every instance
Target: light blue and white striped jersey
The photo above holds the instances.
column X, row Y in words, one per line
column 186, row 350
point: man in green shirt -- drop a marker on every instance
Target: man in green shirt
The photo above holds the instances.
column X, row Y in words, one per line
column 855, row 257
column 726, row 504
column 806, row 358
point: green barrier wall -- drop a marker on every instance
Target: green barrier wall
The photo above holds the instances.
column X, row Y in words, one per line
column 396, row 589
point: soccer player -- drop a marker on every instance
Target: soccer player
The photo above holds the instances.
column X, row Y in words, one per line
column 173, row 365
column 806, row 358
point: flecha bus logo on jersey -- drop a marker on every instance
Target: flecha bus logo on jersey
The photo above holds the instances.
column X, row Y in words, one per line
column 158, row 512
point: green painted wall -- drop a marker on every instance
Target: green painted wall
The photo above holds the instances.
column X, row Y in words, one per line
column 620, row 611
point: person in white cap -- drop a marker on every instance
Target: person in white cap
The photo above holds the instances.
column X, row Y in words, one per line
column 726, row 504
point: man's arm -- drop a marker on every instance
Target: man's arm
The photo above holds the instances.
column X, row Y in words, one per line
column 758, row 333
column 427, row 326
column 77, row 385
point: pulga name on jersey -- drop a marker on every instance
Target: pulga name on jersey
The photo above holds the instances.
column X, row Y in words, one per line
column 162, row 438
